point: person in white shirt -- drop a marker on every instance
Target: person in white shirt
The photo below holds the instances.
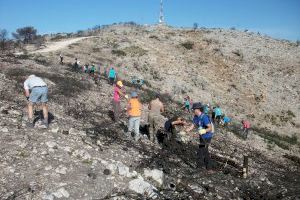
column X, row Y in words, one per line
column 36, row 91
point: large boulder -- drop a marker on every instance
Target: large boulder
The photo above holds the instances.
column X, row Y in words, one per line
column 155, row 174
column 142, row 187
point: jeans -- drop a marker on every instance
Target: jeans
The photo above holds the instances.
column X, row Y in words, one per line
column 203, row 153
column 39, row 94
column 134, row 123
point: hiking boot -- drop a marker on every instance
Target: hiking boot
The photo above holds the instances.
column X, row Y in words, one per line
column 30, row 123
column 137, row 138
column 45, row 123
column 128, row 136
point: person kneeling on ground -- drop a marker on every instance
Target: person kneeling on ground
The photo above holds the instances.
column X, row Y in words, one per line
column 204, row 127
column 134, row 110
column 170, row 125
column 36, row 91
column 225, row 121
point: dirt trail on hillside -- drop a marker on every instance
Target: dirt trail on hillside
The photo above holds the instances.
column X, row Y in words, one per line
column 54, row 46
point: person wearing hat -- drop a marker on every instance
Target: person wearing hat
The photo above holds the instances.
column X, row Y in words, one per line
column 36, row 91
column 156, row 107
column 134, row 110
column 204, row 126
column 116, row 100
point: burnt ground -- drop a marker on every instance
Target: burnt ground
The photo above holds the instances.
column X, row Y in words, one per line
column 179, row 161
column 269, row 178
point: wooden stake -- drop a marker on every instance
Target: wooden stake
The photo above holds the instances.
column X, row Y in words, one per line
column 245, row 167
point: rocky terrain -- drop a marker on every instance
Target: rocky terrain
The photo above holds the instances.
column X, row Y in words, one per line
column 84, row 155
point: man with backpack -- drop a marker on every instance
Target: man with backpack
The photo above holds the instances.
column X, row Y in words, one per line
column 204, row 126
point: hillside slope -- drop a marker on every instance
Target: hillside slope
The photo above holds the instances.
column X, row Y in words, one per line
column 84, row 155
column 249, row 76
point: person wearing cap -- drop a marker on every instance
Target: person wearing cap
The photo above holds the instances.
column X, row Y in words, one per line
column 134, row 110
column 156, row 107
column 116, row 100
column 36, row 91
column 204, row 126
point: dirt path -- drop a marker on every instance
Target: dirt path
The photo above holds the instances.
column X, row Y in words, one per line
column 54, row 46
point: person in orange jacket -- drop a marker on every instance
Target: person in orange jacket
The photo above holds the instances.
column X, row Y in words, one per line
column 134, row 110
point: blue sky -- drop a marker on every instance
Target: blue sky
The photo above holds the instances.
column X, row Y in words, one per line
column 277, row 18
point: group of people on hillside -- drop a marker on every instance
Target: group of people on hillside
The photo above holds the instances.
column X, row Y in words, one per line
column 217, row 115
column 201, row 124
column 36, row 91
column 95, row 72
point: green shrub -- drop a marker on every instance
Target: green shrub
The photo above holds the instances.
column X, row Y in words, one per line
column 42, row 60
column 282, row 141
column 153, row 37
column 118, row 52
column 135, row 51
column 188, row 45
column 66, row 86
column 291, row 114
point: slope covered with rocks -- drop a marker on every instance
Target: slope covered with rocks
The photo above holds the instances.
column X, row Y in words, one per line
column 83, row 155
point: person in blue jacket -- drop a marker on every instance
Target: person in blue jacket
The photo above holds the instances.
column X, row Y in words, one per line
column 204, row 126
column 225, row 121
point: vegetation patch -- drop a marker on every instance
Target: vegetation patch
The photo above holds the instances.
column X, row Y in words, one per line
column 135, row 51
column 238, row 53
column 281, row 119
column 282, row 141
column 188, row 45
column 154, row 37
column 66, row 86
column 118, row 52
column 42, row 60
